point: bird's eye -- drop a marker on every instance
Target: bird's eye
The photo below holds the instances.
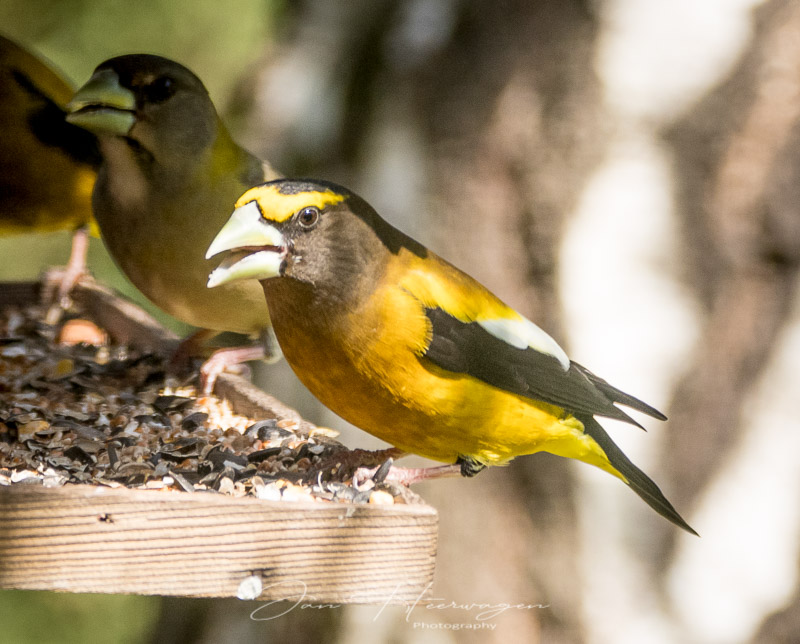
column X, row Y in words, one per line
column 160, row 89
column 308, row 217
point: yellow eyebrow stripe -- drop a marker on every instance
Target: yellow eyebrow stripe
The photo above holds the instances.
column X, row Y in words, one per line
column 278, row 207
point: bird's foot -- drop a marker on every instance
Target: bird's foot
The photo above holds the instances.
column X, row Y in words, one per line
column 190, row 348
column 220, row 360
column 60, row 281
column 225, row 359
column 404, row 475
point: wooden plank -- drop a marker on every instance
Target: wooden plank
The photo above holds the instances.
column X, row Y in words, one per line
column 129, row 541
column 83, row 538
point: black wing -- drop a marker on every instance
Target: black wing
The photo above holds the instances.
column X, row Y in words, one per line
column 468, row 348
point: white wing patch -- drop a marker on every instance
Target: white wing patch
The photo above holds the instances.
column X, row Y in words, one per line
column 524, row 334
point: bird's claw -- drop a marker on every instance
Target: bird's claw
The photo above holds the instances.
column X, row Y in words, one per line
column 214, row 366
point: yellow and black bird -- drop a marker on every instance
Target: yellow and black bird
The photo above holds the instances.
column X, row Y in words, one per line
column 47, row 166
column 169, row 173
column 407, row 347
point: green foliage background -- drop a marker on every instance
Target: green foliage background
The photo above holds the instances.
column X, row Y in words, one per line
column 216, row 40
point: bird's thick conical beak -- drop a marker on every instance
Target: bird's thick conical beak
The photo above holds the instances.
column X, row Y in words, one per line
column 103, row 106
column 258, row 248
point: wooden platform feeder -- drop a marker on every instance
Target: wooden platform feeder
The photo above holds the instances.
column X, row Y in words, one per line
column 95, row 538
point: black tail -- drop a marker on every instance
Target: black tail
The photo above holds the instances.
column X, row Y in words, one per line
column 638, row 481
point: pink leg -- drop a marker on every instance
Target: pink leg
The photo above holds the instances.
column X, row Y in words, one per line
column 219, row 360
column 66, row 277
column 76, row 265
column 223, row 358
column 410, row 475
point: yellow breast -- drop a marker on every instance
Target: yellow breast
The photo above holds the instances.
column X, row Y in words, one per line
column 367, row 366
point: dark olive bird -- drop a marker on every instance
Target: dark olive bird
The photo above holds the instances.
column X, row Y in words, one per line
column 47, row 166
column 169, row 173
column 407, row 347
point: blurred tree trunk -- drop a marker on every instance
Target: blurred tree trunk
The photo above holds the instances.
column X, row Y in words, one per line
column 737, row 157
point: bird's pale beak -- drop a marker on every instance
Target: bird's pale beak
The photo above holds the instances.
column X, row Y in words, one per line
column 103, row 106
column 257, row 248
